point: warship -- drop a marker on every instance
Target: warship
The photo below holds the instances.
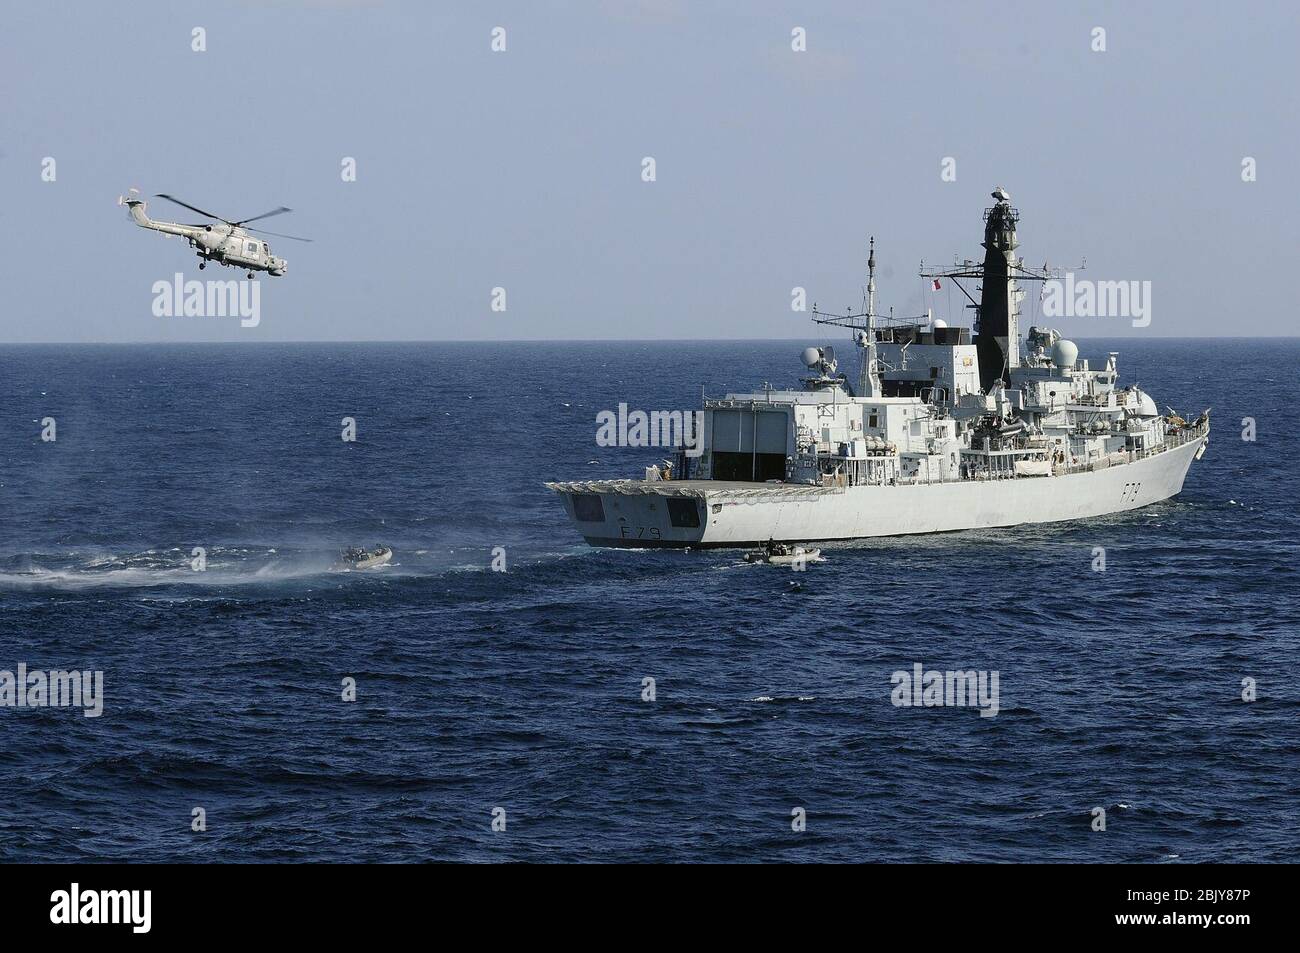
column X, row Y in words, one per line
column 945, row 428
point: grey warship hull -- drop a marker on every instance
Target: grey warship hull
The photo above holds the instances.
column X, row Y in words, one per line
column 734, row 514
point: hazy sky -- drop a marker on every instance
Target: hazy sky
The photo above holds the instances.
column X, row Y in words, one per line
column 522, row 169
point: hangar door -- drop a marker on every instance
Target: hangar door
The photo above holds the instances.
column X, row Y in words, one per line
column 749, row 445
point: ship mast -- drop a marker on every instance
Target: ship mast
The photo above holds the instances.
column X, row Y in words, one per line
column 997, row 313
column 869, row 372
column 864, row 324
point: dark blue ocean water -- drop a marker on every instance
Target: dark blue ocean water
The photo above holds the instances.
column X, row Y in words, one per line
column 522, row 690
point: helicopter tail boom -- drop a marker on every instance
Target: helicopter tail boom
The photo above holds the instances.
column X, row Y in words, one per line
column 135, row 206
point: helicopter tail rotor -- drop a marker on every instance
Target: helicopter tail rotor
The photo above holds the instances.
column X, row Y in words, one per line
column 135, row 206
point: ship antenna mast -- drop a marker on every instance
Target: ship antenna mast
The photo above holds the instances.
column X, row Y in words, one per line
column 869, row 382
column 864, row 324
column 871, row 285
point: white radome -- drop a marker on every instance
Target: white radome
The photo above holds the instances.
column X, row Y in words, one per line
column 1065, row 353
column 939, row 323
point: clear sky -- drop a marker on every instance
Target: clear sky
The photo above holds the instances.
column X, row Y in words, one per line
column 523, row 169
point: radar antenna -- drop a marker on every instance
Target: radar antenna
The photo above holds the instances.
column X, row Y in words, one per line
column 864, row 323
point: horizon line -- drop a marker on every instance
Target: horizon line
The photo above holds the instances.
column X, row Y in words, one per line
column 575, row 340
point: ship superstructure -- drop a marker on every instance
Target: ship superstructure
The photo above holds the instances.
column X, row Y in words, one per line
column 940, row 431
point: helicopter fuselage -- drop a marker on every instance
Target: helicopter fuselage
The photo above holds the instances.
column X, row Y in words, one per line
column 231, row 245
column 220, row 242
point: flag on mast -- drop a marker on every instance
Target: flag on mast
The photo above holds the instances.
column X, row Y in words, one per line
column 936, row 284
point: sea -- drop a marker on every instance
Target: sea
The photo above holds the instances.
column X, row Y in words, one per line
column 503, row 692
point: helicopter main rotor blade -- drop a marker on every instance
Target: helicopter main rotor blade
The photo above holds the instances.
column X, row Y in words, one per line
column 262, row 231
column 279, row 211
column 172, row 198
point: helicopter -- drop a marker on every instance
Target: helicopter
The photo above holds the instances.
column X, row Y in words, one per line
column 225, row 242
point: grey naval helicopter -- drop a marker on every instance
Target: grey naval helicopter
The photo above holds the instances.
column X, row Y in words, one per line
column 223, row 241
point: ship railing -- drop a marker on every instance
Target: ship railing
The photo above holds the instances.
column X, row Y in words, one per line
column 1175, row 439
column 1172, row 441
column 1015, row 213
column 980, row 475
column 1092, row 400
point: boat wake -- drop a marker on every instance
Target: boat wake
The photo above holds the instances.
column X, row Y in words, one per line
column 216, row 567
column 231, row 566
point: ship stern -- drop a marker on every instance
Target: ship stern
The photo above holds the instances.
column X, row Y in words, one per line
column 636, row 515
